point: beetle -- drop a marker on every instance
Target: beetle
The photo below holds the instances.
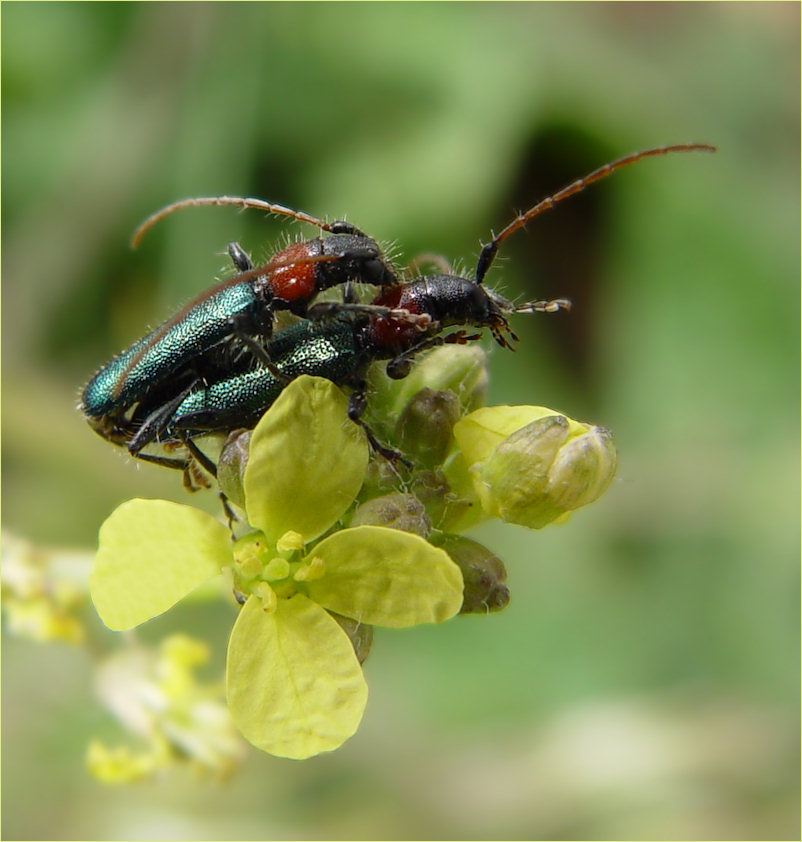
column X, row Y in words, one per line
column 241, row 307
column 340, row 347
column 217, row 393
column 340, row 344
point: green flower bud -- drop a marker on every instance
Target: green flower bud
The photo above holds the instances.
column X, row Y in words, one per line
column 381, row 477
column 251, row 554
column 276, row 569
column 447, row 509
column 231, row 466
column 424, row 428
column 483, row 573
column 540, row 471
column 395, row 511
column 461, row 369
column 583, row 469
column 360, row 635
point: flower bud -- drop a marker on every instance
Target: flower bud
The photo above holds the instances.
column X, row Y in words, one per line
column 231, row 466
column 251, row 554
column 276, row 569
column 381, row 477
column 395, row 511
column 583, row 469
column 424, row 428
column 461, row 369
column 547, row 466
column 312, row 569
column 448, row 510
column 483, row 573
column 289, row 541
column 360, row 635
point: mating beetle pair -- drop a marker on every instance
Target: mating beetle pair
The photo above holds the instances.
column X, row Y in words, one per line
column 216, row 366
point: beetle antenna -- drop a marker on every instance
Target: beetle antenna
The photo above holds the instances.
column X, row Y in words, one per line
column 551, row 306
column 224, row 201
column 489, row 250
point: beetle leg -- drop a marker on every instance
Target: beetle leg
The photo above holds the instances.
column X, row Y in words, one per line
column 164, row 461
column 258, row 350
column 158, row 420
column 356, row 406
column 330, row 309
column 399, row 367
column 230, row 514
column 200, row 457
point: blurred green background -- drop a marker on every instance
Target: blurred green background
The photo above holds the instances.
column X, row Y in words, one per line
column 644, row 681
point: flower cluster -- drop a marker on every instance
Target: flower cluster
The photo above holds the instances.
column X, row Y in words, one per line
column 44, row 591
column 334, row 541
column 173, row 716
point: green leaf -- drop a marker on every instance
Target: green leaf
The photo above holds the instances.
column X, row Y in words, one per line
column 307, row 461
column 385, row 577
column 152, row 553
column 295, row 687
